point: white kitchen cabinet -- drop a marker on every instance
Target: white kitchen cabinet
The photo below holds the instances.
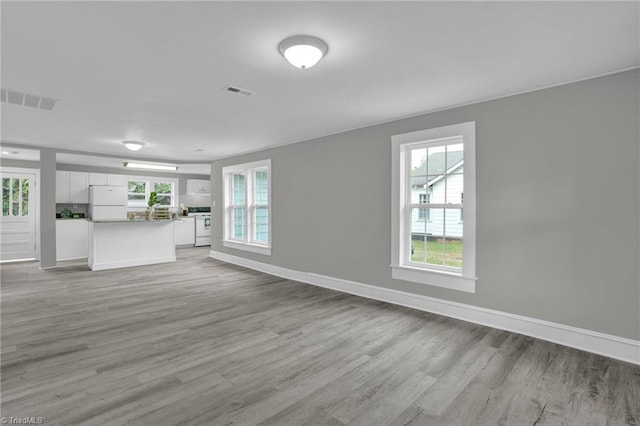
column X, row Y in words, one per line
column 72, row 187
column 72, row 239
column 184, row 229
column 78, row 187
column 62, row 187
column 198, row 186
column 107, row 179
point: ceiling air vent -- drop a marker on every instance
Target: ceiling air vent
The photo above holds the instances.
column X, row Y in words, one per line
column 28, row 100
column 239, row 91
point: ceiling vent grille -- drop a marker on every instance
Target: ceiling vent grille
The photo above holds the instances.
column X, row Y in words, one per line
column 27, row 100
column 239, row 91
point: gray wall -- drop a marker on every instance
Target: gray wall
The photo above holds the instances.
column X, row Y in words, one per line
column 47, row 208
column 4, row 162
column 557, row 213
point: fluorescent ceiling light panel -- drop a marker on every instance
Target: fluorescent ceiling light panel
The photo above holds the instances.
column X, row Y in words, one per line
column 150, row 166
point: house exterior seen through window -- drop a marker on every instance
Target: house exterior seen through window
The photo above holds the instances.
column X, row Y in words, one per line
column 434, row 223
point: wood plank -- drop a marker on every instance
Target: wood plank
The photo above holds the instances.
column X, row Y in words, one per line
column 204, row 342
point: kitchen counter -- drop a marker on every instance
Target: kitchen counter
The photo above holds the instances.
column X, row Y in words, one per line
column 130, row 220
column 123, row 243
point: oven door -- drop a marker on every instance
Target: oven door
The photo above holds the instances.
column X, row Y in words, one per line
column 203, row 231
column 203, row 226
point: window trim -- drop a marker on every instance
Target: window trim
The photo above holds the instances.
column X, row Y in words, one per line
column 248, row 244
column 401, row 226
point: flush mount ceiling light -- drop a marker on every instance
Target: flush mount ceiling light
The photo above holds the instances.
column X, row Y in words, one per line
column 133, row 145
column 303, row 51
column 150, row 166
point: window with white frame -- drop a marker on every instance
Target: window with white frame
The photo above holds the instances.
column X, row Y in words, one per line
column 433, row 236
column 247, row 198
column 139, row 189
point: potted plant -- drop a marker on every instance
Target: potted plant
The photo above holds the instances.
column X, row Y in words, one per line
column 153, row 200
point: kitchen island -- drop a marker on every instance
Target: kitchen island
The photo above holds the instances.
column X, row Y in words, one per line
column 121, row 243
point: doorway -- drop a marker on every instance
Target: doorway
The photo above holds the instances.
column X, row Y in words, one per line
column 18, row 216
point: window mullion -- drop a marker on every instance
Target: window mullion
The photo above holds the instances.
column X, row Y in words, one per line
column 436, row 205
column 249, row 205
column 20, row 197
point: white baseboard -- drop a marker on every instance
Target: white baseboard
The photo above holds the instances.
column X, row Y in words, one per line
column 130, row 263
column 621, row 348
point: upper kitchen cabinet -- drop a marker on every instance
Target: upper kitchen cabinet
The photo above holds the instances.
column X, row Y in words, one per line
column 198, row 186
column 72, row 187
column 107, row 179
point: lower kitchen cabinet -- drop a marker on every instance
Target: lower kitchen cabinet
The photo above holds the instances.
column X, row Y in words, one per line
column 184, row 229
column 72, row 239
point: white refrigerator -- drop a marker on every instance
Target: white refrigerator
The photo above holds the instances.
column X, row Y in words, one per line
column 107, row 202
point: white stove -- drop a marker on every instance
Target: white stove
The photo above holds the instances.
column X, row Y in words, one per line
column 203, row 224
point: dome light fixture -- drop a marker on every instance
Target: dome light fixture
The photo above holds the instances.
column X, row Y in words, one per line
column 303, row 51
column 133, row 145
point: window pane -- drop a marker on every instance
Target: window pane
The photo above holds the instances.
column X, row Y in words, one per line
column 427, row 237
column 261, row 221
column 419, row 162
column 455, row 154
column 454, row 188
column 453, row 253
column 137, row 200
column 6, row 191
column 421, row 195
column 418, row 185
column 137, row 187
column 261, row 187
column 25, row 197
column 238, row 189
column 164, row 200
column 163, row 188
column 453, row 224
column 452, row 238
column 436, row 160
column 418, row 235
column 436, row 189
column 238, row 225
column 15, row 196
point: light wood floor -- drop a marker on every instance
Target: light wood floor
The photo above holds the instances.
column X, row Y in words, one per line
column 203, row 342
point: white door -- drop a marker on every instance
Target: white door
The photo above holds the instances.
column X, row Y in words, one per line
column 17, row 223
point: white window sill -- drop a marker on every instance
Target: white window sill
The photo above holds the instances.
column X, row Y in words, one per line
column 434, row 278
column 253, row 248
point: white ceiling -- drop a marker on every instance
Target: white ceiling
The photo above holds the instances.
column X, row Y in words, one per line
column 154, row 71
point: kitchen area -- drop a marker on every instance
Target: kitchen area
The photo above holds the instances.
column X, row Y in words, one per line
column 119, row 219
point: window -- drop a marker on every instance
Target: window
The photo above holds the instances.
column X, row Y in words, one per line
column 15, row 197
column 433, row 236
column 247, row 200
column 139, row 190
